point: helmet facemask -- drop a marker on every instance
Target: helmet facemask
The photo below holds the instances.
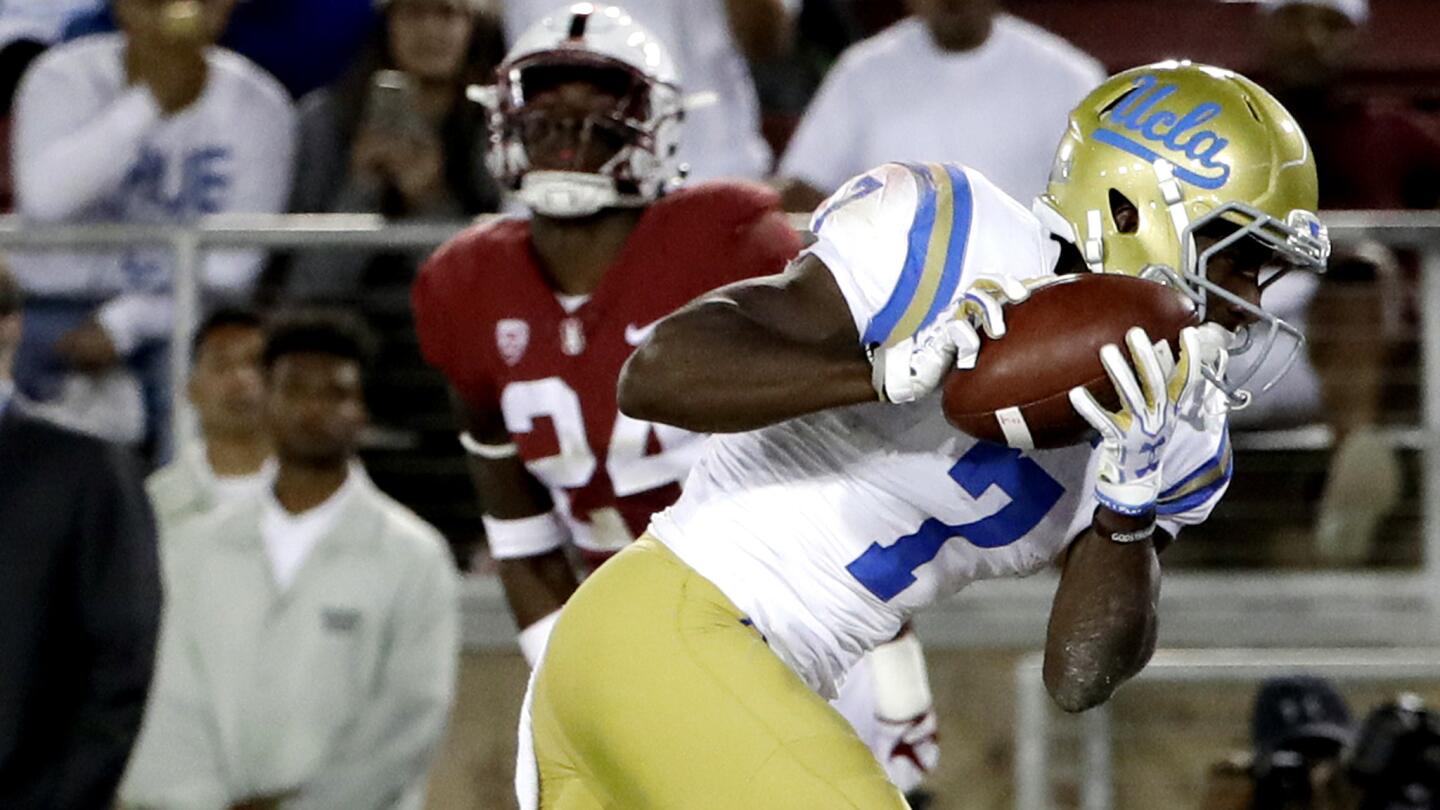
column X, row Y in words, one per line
column 568, row 161
column 1298, row 243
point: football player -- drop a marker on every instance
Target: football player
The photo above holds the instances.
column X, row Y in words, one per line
column 531, row 320
column 837, row 501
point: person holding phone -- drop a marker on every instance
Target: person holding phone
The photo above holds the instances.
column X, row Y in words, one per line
column 401, row 140
column 398, row 140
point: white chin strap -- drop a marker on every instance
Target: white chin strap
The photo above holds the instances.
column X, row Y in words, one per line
column 565, row 195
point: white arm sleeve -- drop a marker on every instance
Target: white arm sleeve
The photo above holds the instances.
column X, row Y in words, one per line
column 71, row 148
column 524, row 537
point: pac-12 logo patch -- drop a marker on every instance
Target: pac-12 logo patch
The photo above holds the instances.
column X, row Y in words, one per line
column 1139, row 126
column 512, row 336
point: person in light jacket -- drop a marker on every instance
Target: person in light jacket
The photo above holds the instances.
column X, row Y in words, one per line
column 231, row 459
column 309, row 647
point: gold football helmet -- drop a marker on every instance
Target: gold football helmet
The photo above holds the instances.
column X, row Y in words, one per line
column 1186, row 145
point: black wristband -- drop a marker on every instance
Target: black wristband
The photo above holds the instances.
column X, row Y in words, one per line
column 1120, row 528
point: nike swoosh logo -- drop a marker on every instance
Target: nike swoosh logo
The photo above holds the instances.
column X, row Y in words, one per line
column 636, row 334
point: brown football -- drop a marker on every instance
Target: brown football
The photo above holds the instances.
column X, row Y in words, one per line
column 1021, row 383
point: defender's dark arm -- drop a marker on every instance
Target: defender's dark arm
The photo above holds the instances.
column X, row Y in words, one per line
column 538, row 585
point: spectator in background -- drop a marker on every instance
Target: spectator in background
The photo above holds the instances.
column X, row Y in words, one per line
column 152, row 125
column 79, row 603
column 41, row 21
column 721, row 135
column 1300, row 728
column 27, row 29
column 232, row 459
column 311, row 639
column 1372, row 153
column 958, row 81
column 306, row 44
column 407, row 146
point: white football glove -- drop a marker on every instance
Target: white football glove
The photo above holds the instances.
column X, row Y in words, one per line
column 914, row 367
column 1133, row 440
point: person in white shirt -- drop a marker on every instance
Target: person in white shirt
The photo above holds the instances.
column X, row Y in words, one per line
column 310, row 639
column 957, row 81
column 722, row 125
column 153, row 125
column 232, row 458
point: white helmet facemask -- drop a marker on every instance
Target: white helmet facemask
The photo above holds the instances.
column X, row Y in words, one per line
column 640, row 131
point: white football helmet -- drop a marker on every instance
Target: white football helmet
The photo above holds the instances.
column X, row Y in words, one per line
column 582, row 41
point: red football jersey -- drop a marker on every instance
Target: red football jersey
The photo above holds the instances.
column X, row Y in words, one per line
column 488, row 318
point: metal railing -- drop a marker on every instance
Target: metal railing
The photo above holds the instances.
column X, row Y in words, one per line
column 1034, row 766
column 1301, row 608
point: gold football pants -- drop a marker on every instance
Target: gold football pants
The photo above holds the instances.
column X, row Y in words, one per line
column 655, row 694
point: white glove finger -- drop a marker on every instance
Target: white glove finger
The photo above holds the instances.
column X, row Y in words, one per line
column 1014, row 289
column 966, row 341
column 932, row 361
column 1165, row 356
column 1184, row 380
column 1214, row 342
column 1152, row 377
column 1093, row 412
column 1122, row 376
column 988, row 309
column 890, row 372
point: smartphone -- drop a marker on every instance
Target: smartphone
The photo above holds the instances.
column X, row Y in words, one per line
column 392, row 106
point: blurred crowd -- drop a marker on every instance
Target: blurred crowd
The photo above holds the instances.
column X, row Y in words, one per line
column 1309, row 752
column 160, row 112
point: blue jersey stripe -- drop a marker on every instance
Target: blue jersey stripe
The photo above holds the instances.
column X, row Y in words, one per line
column 959, row 241
column 923, row 222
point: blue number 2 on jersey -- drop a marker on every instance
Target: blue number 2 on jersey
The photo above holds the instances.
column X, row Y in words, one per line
column 887, row 570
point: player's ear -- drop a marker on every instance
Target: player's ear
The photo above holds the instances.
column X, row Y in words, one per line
column 1124, row 213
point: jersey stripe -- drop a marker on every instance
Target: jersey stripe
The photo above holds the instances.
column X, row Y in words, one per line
column 1200, row 485
column 959, row 240
column 938, row 234
column 882, row 326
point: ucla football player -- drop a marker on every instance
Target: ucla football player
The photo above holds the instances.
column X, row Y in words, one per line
column 837, row 501
column 530, row 319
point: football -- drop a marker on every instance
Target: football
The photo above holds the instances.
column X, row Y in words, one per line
column 1018, row 394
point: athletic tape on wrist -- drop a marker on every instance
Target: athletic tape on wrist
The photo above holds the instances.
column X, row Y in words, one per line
column 487, row 451
column 536, row 637
column 524, row 537
column 902, row 685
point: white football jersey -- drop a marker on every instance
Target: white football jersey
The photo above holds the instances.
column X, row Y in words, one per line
column 830, row 530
